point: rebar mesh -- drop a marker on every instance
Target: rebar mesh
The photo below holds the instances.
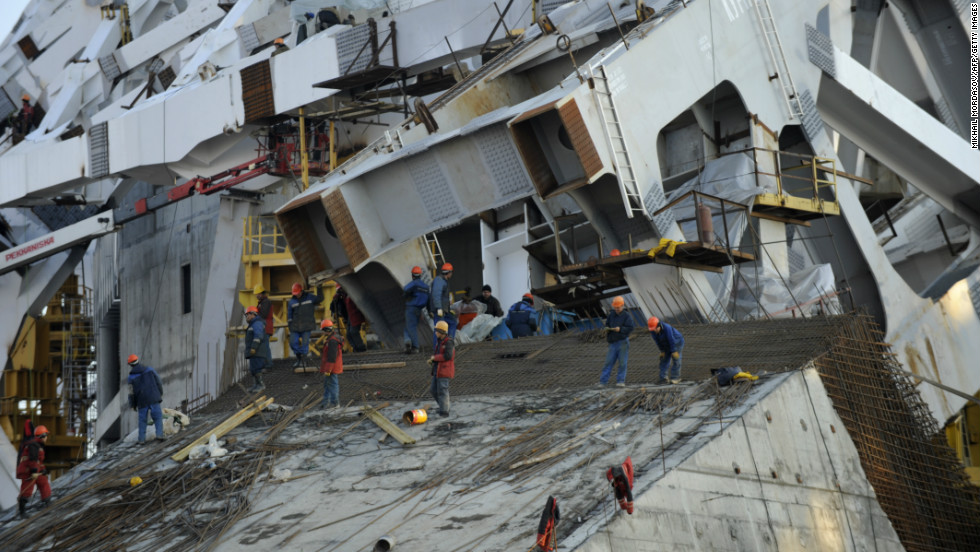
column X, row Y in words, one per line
column 919, row 483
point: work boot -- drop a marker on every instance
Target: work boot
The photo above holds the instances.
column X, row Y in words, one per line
column 663, row 381
column 259, row 385
column 620, row 385
column 675, row 381
column 415, row 350
column 22, row 508
column 46, row 502
column 299, row 361
column 408, row 348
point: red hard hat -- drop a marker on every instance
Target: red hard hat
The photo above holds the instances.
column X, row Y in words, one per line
column 528, row 296
column 652, row 323
column 416, row 270
column 40, row 430
column 133, row 359
column 252, row 310
column 614, row 253
column 298, row 288
column 447, row 267
column 326, row 324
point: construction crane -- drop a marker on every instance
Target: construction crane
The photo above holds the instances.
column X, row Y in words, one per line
column 109, row 221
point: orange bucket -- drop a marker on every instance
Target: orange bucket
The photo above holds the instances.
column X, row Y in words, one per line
column 415, row 417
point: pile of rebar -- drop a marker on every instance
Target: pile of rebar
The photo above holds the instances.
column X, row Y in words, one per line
column 184, row 508
column 919, row 482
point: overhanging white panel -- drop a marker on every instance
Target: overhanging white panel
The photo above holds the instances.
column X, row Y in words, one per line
column 136, row 139
column 205, row 112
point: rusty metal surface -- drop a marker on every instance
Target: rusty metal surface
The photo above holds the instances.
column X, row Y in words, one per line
column 257, row 94
column 919, row 482
column 571, row 117
column 346, row 229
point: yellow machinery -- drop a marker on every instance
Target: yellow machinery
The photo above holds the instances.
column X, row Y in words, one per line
column 51, row 377
column 963, row 434
column 268, row 262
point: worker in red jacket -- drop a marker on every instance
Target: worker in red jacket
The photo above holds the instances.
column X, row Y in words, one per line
column 331, row 364
column 443, row 367
column 31, row 471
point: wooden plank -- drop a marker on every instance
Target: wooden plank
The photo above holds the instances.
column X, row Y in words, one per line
column 388, row 426
column 224, row 427
column 375, row 366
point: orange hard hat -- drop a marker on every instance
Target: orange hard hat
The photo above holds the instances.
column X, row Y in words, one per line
column 278, row 41
column 614, row 253
column 40, row 431
column 416, row 270
column 652, row 323
column 133, row 359
column 442, row 326
column 447, row 268
column 326, row 324
column 298, row 288
column 528, row 296
column 252, row 310
column 26, row 97
column 618, row 301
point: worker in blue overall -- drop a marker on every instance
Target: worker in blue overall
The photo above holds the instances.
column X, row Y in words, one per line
column 671, row 343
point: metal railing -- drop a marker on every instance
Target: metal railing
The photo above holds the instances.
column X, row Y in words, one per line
column 262, row 236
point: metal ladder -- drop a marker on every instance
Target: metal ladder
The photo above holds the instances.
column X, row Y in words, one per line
column 616, row 142
column 434, row 250
column 775, row 47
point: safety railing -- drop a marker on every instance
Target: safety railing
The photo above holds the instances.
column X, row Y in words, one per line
column 807, row 172
column 262, row 236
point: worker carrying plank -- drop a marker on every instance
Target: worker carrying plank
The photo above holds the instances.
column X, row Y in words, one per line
column 621, row 479
column 671, row 343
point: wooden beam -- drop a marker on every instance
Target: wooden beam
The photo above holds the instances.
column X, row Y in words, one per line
column 388, row 426
column 224, row 427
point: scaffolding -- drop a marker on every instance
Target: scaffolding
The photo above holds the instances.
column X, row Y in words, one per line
column 78, row 368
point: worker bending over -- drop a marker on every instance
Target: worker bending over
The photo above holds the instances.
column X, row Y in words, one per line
column 331, row 364
column 522, row 318
column 31, row 471
column 443, row 367
column 670, row 342
column 619, row 324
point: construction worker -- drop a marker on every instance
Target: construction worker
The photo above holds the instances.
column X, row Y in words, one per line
column 493, row 305
column 264, row 305
column 467, row 309
column 522, row 318
column 671, row 343
column 145, row 396
column 443, row 367
column 416, row 295
column 355, row 319
column 280, row 47
column 301, row 318
column 26, row 114
column 31, row 472
column 331, row 364
column 439, row 302
column 619, row 324
column 257, row 349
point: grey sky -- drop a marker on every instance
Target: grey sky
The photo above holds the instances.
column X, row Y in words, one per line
column 9, row 14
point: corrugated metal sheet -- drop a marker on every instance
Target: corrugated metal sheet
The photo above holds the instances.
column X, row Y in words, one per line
column 257, row 92
column 343, row 225
column 571, row 117
column 98, row 150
